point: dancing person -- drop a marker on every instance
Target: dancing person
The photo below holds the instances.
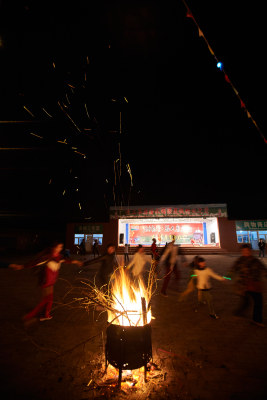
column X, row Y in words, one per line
column 169, row 260
column 49, row 262
column 203, row 275
column 192, row 280
column 137, row 265
column 109, row 263
column 247, row 273
column 155, row 255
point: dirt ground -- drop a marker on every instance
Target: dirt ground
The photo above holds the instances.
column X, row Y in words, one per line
column 199, row 358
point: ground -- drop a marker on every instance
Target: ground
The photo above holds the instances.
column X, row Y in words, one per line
column 199, row 358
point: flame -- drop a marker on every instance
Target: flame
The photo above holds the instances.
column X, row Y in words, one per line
column 126, row 295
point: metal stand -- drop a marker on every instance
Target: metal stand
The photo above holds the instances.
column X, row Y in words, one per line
column 119, row 380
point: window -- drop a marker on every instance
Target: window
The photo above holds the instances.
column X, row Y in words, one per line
column 99, row 238
column 242, row 236
column 78, row 237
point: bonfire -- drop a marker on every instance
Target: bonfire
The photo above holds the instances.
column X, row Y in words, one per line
column 127, row 301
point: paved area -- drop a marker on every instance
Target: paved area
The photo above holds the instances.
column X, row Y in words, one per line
column 200, row 358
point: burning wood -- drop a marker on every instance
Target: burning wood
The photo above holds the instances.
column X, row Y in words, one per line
column 126, row 300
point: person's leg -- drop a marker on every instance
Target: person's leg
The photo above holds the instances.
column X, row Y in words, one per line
column 209, row 300
column 36, row 311
column 48, row 293
column 200, row 296
column 189, row 289
column 176, row 272
column 166, row 281
column 257, row 306
column 41, row 307
column 243, row 305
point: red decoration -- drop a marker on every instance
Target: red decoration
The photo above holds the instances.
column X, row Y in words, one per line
column 242, row 104
column 227, row 79
column 189, row 14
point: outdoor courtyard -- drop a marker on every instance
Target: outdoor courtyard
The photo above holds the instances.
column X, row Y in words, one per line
column 197, row 357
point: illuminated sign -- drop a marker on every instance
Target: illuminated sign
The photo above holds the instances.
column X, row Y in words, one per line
column 251, row 225
column 206, row 210
column 88, row 229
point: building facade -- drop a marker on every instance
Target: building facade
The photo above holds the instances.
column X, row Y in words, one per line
column 193, row 225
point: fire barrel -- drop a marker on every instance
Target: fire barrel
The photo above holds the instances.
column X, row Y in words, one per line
column 128, row 347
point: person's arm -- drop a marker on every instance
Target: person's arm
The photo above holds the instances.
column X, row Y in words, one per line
column 70, row 261
column 215, row 276
column 131, row 263
column 16, row 267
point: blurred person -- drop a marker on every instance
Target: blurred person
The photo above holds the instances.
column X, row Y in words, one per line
column 154, row 249
column 247, row 273
column 192, row 280
column 109, row 263
column 137, row 265
column 169, row 260
column 203, row 275
column 49, row 263
column 261, row 245
column 155, row 254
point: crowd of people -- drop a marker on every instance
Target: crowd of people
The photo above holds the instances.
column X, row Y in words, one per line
column 246, row 274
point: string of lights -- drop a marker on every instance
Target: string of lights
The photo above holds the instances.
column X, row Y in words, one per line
column 221, row 67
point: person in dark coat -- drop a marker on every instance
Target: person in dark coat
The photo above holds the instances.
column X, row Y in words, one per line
column 169, row 260
column 247, row 273
column 261, row 246
column 108, row 265
column 95, row 248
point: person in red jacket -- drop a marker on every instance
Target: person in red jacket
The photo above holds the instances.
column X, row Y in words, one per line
column 49, row 262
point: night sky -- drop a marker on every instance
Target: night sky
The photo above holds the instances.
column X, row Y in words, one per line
column 76, row 67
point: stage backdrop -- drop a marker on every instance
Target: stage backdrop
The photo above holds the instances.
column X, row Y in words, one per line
column 163, row 232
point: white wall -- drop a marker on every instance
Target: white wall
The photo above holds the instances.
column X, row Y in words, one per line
column 212, row 226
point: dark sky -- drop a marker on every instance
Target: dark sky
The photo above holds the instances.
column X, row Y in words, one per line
column 183, row 132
